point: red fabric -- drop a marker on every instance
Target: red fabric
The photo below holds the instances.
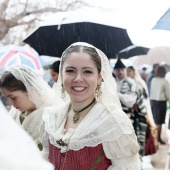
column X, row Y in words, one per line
column 150, row 147
column 88, row 158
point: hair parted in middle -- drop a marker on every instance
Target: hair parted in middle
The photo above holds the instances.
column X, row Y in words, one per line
column 80, row 49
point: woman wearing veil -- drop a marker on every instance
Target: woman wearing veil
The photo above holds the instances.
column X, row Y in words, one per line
column 28, row 93
column 88, row 129
column 147, row 130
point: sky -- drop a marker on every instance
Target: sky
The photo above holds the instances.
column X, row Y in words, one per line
column 139, row 17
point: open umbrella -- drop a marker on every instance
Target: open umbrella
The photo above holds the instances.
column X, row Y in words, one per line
column 12, row 54
column 154, row 55
column 164, row 22
column 132, row 50
column 101, row 29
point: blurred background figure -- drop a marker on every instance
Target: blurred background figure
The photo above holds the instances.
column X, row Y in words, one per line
column 151, row 76
column 151, row 144
column 159, row 95
column 54, row 71
column 132, row 102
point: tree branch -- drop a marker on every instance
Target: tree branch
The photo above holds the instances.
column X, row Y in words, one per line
column 3, row 8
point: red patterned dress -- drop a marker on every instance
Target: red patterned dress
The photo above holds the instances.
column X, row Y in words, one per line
column 88, row 158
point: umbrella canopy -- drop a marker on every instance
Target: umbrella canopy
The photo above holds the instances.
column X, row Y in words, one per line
column 12, row 54
column 164, row 22
column 132, row 51
column 101, row 29
column 154, row 55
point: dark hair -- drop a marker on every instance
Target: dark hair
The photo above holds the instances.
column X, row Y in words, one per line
column 155, row 66
column 9, row 82
column 131, row 67
column 144, row 69
column 79, row 48
column 161, row 71
column 55, row 66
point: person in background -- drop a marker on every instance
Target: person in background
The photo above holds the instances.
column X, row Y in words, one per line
column 151, row 76
column 28, row 93
column 134, row 74
column 159, row 95
column 54, row 71
column 143, row 73
column 148, row 126
column 87, row 129
column 132, row 102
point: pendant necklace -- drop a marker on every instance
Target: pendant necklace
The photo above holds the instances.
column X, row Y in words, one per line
column 77, row 112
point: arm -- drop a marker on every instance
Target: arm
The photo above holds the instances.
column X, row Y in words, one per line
column 123, row 153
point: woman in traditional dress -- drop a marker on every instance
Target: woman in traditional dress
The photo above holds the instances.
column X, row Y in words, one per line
column 28, row 93
column 88, row 129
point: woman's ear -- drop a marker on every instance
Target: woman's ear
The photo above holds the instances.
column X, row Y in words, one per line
column 100, row 79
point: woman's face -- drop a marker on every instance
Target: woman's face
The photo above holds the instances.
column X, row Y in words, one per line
column 80, row 77
column 19, row 100
column 130, row 73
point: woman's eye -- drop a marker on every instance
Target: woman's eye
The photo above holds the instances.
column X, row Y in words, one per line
column 69, row 71
column 87, row 72
column 13, row 98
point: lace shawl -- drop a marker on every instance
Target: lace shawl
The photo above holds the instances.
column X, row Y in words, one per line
column 97, row 127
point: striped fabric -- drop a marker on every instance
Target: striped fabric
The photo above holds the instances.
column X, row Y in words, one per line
column 137, row 113
column 88, row 158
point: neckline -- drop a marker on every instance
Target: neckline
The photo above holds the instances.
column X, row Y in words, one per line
column 79, row 125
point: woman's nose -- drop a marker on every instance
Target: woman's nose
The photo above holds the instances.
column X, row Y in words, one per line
column 78, row 77
column 10, row 103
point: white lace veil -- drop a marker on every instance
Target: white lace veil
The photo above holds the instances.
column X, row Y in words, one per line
column 139, row 80
column 109, row 97
column 142, row 84
column 39, row 92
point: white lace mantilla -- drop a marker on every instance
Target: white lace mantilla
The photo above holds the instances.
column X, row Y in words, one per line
column 98, row 126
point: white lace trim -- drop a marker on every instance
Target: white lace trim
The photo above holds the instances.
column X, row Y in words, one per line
column 39, row 92
column 98, row 126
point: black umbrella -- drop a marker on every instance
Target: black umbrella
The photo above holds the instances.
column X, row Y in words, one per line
column 53, row 39
column 132, row 51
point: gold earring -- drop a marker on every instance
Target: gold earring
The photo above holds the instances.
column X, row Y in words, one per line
column 98, row 93
column 63, row 94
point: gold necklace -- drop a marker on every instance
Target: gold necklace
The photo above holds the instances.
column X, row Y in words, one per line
column 77, row 112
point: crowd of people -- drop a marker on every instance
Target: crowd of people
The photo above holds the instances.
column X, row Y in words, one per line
column 93, row 117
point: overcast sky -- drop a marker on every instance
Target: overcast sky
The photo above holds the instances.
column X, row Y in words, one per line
column 139, row 17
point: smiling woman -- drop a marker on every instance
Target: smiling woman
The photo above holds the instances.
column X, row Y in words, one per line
column 87, row 129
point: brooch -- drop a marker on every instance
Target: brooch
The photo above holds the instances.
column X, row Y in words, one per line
column 61, row 143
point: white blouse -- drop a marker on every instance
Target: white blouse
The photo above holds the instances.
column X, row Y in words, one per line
column 160, row 89
column 98, row 127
